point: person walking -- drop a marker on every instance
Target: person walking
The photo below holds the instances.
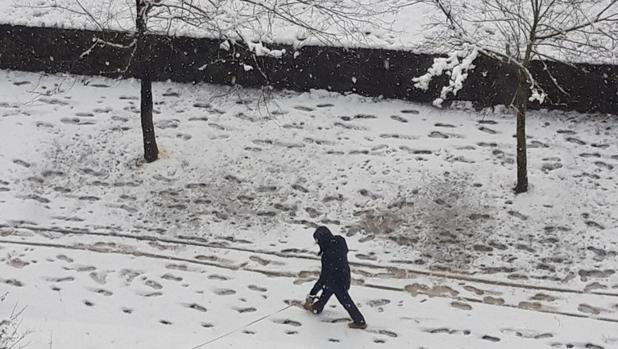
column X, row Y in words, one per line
column 334, row 277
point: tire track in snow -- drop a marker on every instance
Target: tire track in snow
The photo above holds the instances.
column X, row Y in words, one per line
column 108, row 249
column 194, row 241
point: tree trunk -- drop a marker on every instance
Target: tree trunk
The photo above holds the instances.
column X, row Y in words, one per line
column 521, row 101
column 151, row 151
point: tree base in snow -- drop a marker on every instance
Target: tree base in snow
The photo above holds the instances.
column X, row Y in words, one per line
column 521, row 188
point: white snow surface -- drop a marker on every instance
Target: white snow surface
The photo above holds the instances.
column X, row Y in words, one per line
column 389, row 24
column 386, row 24
column 107, row 251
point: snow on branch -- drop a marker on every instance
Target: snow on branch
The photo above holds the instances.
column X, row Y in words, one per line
column 517, row 33
column 456, row 65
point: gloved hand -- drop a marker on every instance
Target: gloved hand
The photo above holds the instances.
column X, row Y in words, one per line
column 309, row 302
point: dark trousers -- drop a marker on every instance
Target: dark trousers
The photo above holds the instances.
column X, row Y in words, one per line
column 344, row 298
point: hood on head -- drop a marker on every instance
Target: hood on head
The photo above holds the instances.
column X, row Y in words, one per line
column 323, row 236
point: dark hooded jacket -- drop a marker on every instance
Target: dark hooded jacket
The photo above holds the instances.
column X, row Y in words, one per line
column 335, row 273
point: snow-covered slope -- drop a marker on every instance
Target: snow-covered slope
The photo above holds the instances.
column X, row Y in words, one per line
column 423, row 196
column 129, row 295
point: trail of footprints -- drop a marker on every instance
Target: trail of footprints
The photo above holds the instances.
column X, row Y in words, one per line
column 443, row 131
column 601, row 164
column 289, row 326
column 129, row 277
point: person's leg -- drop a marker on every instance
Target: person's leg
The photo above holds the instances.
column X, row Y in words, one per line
column 321, row 303
column 344, row 298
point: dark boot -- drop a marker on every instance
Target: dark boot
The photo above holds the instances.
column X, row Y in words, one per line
column 358, row 325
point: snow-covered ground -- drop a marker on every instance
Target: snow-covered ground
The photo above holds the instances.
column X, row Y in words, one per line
column 105, row 250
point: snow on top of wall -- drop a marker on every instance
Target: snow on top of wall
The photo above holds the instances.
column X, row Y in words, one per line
column 389, row 24
column 398, row 28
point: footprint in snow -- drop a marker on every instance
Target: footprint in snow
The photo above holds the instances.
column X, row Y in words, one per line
column 218, row 277
column 150, row 294
column 257, row 288
column 224, row 292
column 386, row 333
column 153, row 284
column 72, row 121
column 287, row 322
column 461, row 305
column 438, row 134
column 366, row 257
column 575, row 140
column 18, row 263
column 22, row 163
column 378, row 302
column 488, row 130
column 120, row 118
column 490, row 338
column 524, row 333
column 102, row 292
column 60, row 279
column 171, row 277
column 12, row 282
column 80, row 268
column 399, row 118
column 485, row 144
column 444, row 330
column 100, row 277
column 169, row 123
column 216, row 126
column 604, row 165
column 493, row 300
column 590, row 155
column 184, row 136
column 488, row 122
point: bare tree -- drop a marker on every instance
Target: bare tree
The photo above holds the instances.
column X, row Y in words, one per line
column 518, row 32
column 249, row 24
